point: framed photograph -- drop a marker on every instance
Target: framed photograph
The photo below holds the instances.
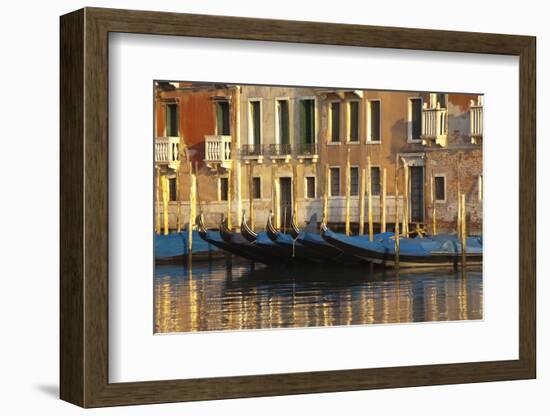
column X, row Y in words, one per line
column 256, row 207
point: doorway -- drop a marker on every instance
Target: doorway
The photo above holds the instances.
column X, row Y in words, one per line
column 417, row 193
column 286, row 202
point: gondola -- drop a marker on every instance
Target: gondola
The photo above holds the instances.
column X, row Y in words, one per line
column 266, row 242
column 262, row 239
column 309, row 237
column 293, row 248
column 268, row 254
column 441, row 250
column 214, row 237
column 248, row 232
column 174, row 247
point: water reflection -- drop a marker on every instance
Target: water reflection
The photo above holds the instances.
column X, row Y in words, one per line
column 218, row 296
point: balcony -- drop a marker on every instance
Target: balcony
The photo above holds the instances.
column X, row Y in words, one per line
column 476, row 121
column 250, row 152
column 434, row 126
column 167, row 152
column 217, row 151
column 307, row 151
column 280, row 151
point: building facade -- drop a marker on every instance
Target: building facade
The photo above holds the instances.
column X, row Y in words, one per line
column 305, row 151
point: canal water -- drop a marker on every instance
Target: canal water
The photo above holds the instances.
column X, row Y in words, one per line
column 216, row 295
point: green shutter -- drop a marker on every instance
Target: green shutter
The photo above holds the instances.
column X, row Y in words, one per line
column 302, row 121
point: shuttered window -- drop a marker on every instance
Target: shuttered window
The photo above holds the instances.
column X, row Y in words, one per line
column 255, row 123
column 224, row 189
column 335, row 122
column 416, row 118
column 256, row 188
column 354, row 181
column 307, row 121
column 354, row 121
column 172, row 120
column 310, row 187
column 283, row 121
column 334, row 181
column 222, row 118
column 439, row 188
column 374, row 121
column 172, row 188
column 375, row 180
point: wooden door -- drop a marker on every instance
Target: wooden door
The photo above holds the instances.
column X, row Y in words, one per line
column 417, row 193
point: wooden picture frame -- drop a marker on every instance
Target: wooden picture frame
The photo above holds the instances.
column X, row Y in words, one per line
column 84, row 207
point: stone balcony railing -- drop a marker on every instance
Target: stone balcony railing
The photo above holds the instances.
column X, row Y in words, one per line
column 167, row 151
column 434, row 126
column 476, row 123
column 217, row 151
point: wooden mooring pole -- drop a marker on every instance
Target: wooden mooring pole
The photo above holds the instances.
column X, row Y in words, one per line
column 362, row 202
column 294, row 192
column 434, row 212
column 383, row 202
column 229, row 197
column 158, row 228
column 348, row 194
column 178, row 209
column 164, row 182
column 369, row 193
column 463, row 229
column 458, row 201
column 251, row 194
column 192, row 206
column 325, row 196
column 396, row 248
column 406, row 201
column 396, row 205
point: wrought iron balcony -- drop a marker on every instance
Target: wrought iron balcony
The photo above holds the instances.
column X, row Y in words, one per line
column 167, row 151
column 280, row 151
column 217, row 151
column 252, row 152
column 307, row 151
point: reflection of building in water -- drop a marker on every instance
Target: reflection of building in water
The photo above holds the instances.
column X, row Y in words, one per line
column 263, row 299
column 261, row 148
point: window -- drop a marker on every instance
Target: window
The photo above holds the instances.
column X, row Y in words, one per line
column 375, row 180
column 223, row 126
column 310, row 187
column 334, row 182
column 256, row 188
column 374, row 121
column 172, row 189
column 439, row 184
column 224, row 189
column 283, row 122
column 335, row 122
column 354, row 181
column 172, row 120
column 255, row 135
column 442, row 100
column 307, row 121
column 415, row 119
column 354, row 121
